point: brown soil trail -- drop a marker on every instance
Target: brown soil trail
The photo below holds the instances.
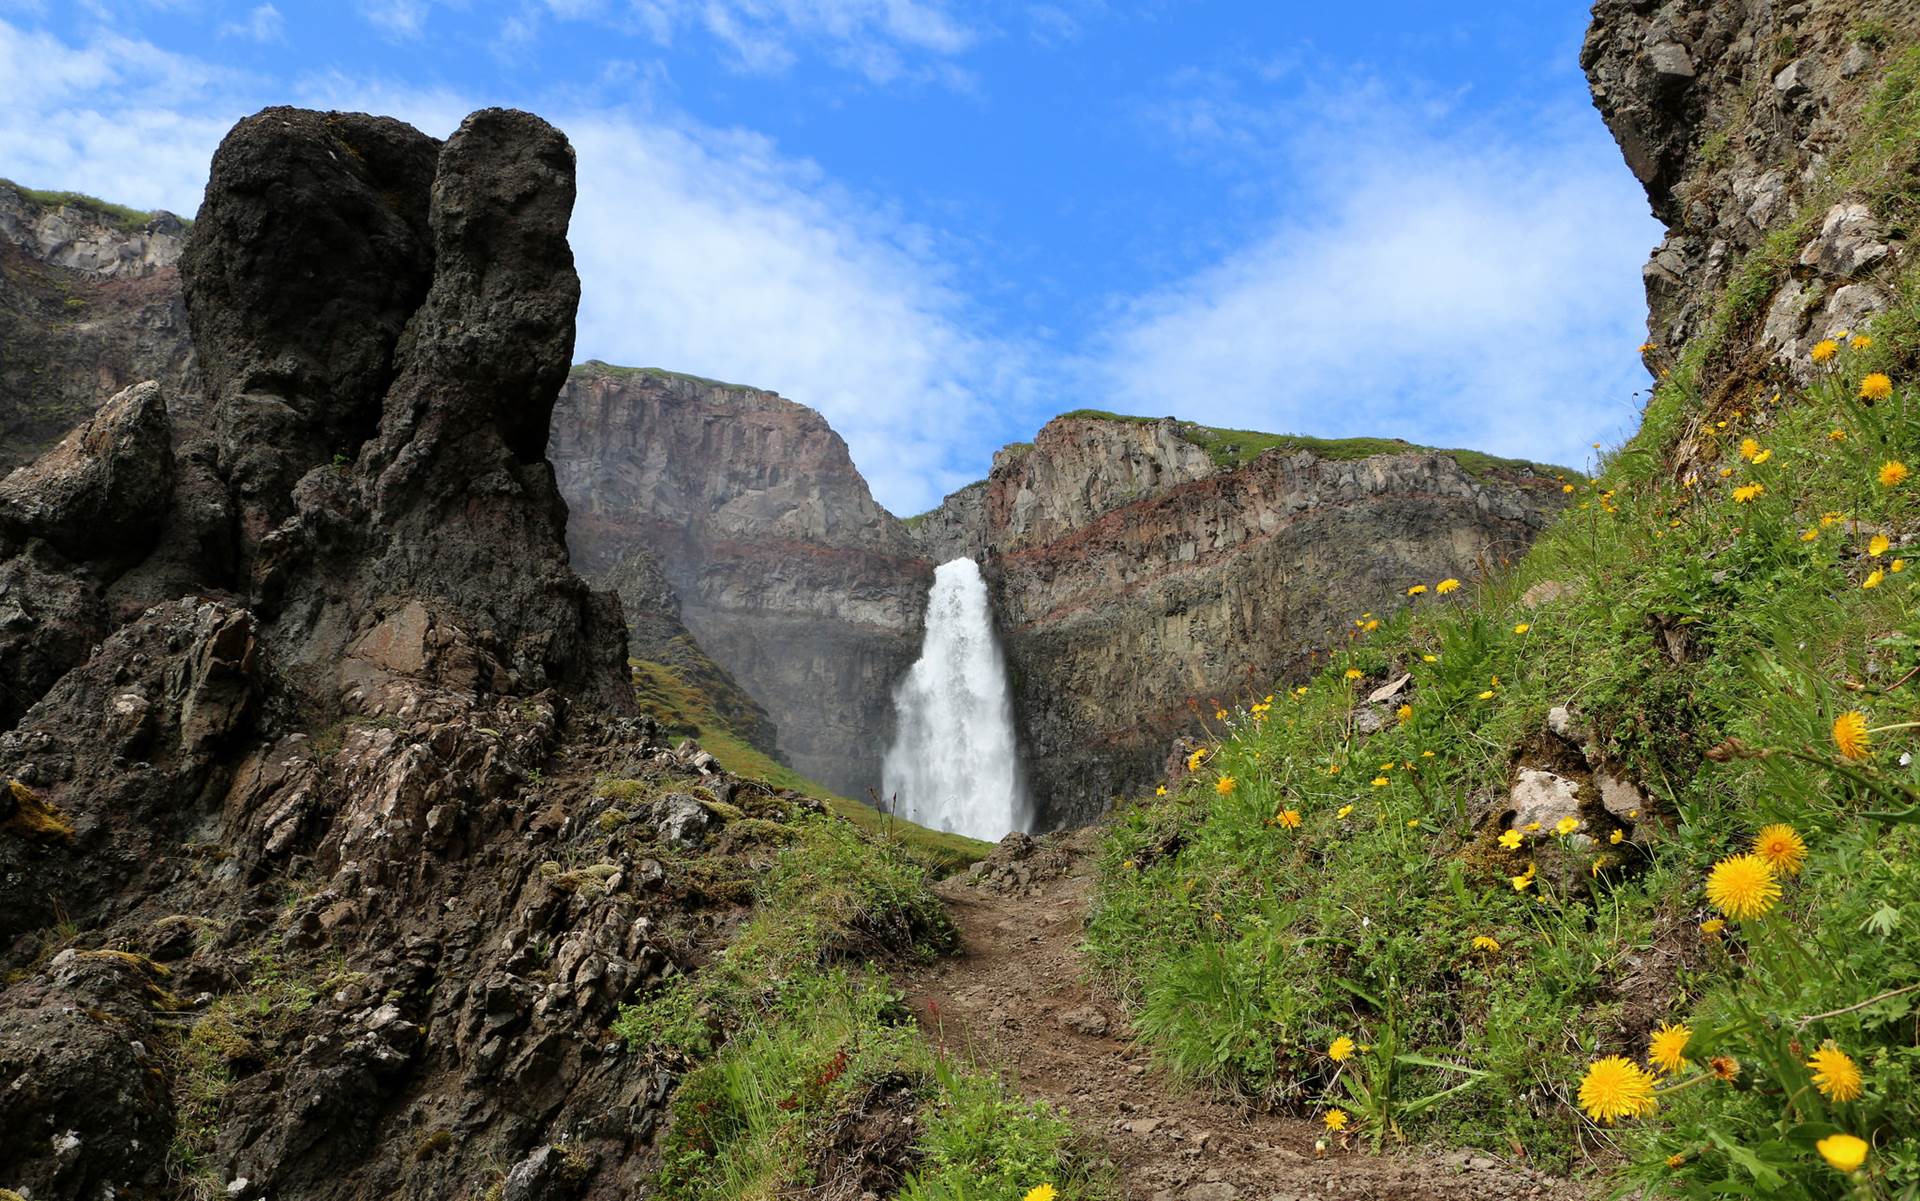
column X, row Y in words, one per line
column 1015, row 998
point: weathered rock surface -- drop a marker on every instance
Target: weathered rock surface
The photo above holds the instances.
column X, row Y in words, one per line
column 304, row 890
column 89, row 305
column 787, row 572
column 1728, row 113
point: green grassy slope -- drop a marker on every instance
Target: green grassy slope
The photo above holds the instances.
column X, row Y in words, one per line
column 131, row 220
column 1721, row 599
column 683, row 709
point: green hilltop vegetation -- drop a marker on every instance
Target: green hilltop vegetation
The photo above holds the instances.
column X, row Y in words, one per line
column 597, row 367
column 130, row 220
column 1712, row 993
column 1236, row 448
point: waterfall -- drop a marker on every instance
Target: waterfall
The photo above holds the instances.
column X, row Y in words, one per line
column 955, row 764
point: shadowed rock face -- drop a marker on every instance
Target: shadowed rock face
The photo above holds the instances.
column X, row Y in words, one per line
column 88, row 307
column 788, row 573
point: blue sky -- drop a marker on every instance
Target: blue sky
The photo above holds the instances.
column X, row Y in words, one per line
column 941, row 223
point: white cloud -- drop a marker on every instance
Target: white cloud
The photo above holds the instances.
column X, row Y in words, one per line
column 874, row 38
column 262, row 24
column 397, row 18
column 1440, row 283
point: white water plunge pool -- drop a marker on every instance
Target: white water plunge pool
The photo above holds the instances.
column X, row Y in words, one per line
column 955, row 760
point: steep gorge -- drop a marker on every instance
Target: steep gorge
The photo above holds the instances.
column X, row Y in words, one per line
column 1142, row 571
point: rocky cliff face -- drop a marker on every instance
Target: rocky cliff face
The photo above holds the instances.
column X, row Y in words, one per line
column 1729, row 114
column 1140, row 583
column 304, row 890
column 787, row 572
column 89, row 304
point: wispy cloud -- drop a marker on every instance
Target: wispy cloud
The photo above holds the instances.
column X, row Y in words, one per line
column 882, row 40
column 1467, row 284
column 262, row 24
column 397, row 18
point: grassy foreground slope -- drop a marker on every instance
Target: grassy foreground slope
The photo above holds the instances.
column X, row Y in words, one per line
column 1715, row 992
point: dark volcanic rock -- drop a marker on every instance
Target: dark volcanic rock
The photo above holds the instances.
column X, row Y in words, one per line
column 102, row 491
column 308, row 257
column 297, row 748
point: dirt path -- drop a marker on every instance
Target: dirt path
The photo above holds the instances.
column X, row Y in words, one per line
column 1015, row 998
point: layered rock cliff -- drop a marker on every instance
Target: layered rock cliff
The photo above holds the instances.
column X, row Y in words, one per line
column 89, row 304
column 786, row 571
column 1146, row 572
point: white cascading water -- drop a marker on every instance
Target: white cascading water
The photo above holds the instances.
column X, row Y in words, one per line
column 955, row 763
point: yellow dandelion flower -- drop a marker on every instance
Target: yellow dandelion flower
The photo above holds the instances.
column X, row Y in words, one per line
column 1892, row 473
column 1810, row 534
column 1290, row 818
column 1413, row 823
column 1844, row 1152
column 1532, row 827
column 1380, row 781
column 1725, row 472
column 1836, row 435
column 1340, row 1050
column 1042, row 1192
column 1354, row 673
column 1426, row 754
column 1371, row 626
column 1219, row 715
column 1724, row 1067
column 1713, row 925
column 1487, row 695
column 1834, row 1073
column 1160, row 791
column 1676, row 1161
column 1566, row 487
column 1336, row 1120
column 1429, row 658
column 1343, row 811
column 1416, row 590
column 1782, row 847
column 1667, row 1046
column 1749, row 449
column 1193, row 760
column 1511, row 839
column 1617, row 837
column 1860, row 342
column 1566, row 826
column 1824, row 350
column 1850, row 734
column 1522, row 882
column 1447, row 585
column 1762, row 457
column 1876, row 387
column 1616, row 1088
column 1748, row 492
column 1404, row 713
column 1874, row 579
column 1522, row 628
column 1743, row 887
column 1225, row 785
column 1482, row 942
column 1877, row 545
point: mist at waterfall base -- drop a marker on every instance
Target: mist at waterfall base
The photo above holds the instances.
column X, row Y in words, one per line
column 955, row 761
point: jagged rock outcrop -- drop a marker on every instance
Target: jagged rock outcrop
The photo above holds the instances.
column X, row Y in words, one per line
column 1729, row 115
column 788, row 573
column 307, row 888
column 1139, row 583
column 89, row 305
